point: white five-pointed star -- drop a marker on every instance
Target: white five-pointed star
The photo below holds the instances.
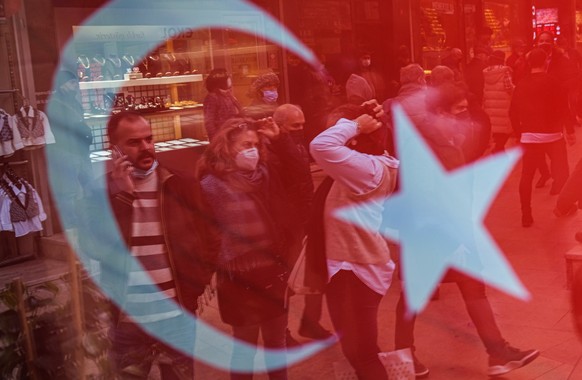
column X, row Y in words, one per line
column 437, row 216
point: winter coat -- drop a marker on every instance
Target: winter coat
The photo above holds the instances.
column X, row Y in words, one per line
column 185, row 230
column 412, row 97
column 497, row 93
column 253, row 230
column 218, row 108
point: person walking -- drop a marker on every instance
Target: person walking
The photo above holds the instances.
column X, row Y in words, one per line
column 497, row 92
column 447, row 132
column 538, row 115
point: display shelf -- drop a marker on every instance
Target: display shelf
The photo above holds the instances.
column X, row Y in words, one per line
column 105, row 155
column 164, row 112
column 140, row 82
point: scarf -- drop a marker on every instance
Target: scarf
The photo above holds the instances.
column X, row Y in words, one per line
column 239, row 203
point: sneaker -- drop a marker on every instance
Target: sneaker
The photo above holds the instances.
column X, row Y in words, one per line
column 508, row 359
column 420, row 370
column 313, row 330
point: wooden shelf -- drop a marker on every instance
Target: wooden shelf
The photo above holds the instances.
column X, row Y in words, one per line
column 140, row 82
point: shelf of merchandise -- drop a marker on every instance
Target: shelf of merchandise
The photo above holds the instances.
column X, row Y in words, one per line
column 140, row 82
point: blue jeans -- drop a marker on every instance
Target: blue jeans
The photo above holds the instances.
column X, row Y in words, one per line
column 273, row 332
column 353, row 308
column 134, row 351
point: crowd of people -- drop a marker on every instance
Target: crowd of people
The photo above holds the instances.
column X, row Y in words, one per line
column 245, row 216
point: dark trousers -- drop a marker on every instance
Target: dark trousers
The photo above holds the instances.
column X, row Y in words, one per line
column 533, row 155
column 477, row 305
column 499, row 140
column 572, row 190
column 353, row 308
column 313, row 306
column 134, row 351
column 273, row 333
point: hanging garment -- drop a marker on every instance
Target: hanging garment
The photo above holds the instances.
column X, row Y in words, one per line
column 21, row 209
column 10, row 140
column 33, row 126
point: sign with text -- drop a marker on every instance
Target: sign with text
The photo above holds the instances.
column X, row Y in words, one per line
column 131, row 33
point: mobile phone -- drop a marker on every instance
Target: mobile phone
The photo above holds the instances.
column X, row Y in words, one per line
column 116, row 150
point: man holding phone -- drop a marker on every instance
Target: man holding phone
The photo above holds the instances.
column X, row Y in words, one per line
column 159, row 219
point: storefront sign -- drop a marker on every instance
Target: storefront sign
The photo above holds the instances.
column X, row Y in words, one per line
column 130, row 33
column 443, row 7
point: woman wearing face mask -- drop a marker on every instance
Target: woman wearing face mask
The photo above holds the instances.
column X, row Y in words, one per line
column 242, row 188
column 220, row 103
column 264, row 94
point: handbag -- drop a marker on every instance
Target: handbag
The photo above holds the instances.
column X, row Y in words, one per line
column 296, row 281
column 399, row 365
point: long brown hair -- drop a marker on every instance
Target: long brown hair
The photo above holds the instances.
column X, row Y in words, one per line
column 218, row 158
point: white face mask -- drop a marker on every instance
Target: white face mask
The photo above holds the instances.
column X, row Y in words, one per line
column 366, row 62
column 141, row 174
column 247, row 159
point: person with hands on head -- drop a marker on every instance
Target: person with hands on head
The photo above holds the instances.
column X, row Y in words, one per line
column 359, row 268
column 241, row 176
column 162, row 225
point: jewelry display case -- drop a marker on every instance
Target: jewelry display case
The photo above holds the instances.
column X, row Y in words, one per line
column 167, row 84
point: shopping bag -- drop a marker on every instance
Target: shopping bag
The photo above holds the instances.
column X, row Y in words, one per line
column 296, row 281
column 399, row 364
column 343, row 371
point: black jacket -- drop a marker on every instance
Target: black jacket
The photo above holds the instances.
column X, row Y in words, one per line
column 185, row 232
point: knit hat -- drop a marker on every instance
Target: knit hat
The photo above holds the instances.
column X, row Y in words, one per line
column 263, row 80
